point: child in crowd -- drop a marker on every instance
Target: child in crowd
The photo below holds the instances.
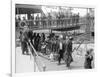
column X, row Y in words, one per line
column 88, row 59
column 52, row 56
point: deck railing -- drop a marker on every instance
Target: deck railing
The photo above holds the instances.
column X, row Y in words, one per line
column 54, row 22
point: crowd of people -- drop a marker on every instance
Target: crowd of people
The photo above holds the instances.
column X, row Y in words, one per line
column 29, row 36
column 54, row 46
column 50, row 20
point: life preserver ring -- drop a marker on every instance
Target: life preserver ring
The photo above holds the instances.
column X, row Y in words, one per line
column 22, row 24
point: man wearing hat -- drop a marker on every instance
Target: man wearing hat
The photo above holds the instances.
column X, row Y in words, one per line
column 68, row 53
column 25, row 39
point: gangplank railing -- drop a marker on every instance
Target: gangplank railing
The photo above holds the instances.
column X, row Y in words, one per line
column 38, row 64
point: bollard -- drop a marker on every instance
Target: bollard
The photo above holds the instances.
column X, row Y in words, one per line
column 44, row 67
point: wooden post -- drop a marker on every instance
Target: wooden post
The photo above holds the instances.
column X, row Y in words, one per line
column 17, row 10
column 88, row 26
column 28, row 16
column 87, row 29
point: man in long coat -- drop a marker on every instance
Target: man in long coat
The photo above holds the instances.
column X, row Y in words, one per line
column 61, row 51
column 68, row 52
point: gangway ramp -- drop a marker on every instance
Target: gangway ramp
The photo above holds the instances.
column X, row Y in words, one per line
column 78, row 63
column 23, row 63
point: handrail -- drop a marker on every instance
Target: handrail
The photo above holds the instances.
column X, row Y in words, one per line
column 62, row 22
column 65, row 18
column 36, row 55
column 79, row 45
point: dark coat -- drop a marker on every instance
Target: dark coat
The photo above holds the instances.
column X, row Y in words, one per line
column 88, row 61
column 68, row 52
column 69, row 46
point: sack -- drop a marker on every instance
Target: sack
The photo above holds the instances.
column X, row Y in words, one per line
column 51, row 56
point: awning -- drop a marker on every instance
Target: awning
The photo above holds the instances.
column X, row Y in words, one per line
column 25, row 9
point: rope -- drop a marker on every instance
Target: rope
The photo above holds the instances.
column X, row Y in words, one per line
column 43, row 65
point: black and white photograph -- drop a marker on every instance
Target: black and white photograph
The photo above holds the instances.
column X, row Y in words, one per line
column 53, row 38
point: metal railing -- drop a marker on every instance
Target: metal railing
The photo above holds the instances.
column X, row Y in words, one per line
column 55, row 22
column 37, row 62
